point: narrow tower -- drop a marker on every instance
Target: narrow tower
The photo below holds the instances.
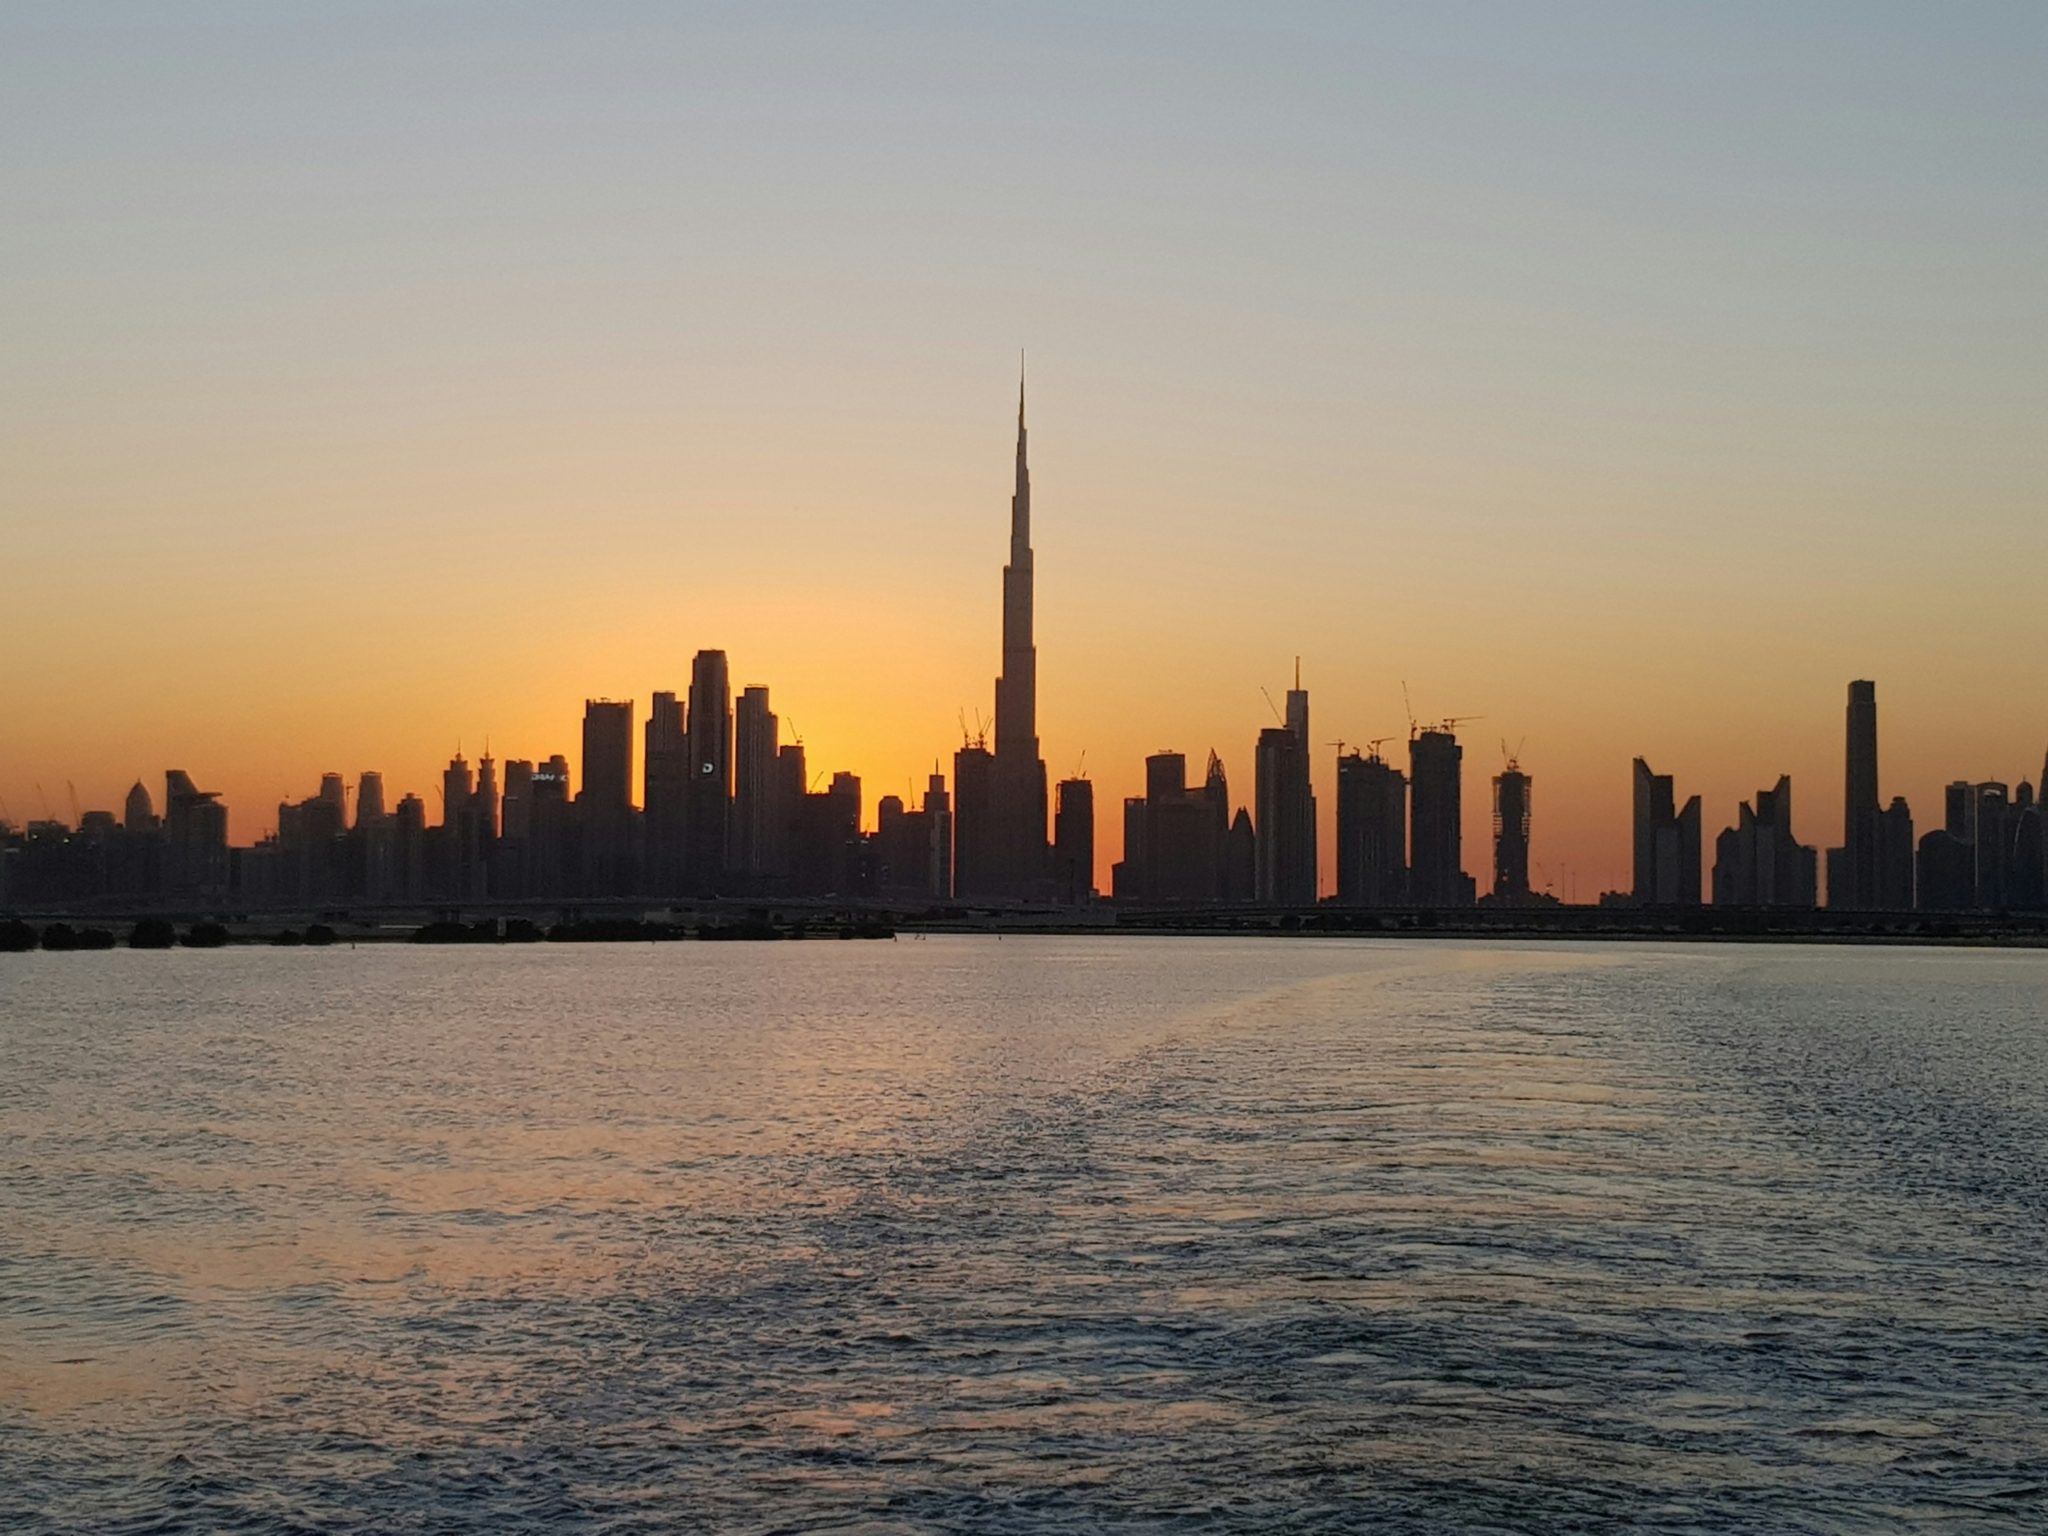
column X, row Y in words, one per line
column 1017, row 687
column 1016, row 864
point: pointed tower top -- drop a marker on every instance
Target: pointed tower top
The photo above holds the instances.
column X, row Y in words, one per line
column 1020, row 389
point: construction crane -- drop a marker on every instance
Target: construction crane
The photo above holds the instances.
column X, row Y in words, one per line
column 1450, row 723
column 77, row 816
column 1278, row 718
column 1376, row 743
column 1081, row 768
column 1408, row 706
column 1512, row 759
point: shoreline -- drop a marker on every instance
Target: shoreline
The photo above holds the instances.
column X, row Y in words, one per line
column 754, row 923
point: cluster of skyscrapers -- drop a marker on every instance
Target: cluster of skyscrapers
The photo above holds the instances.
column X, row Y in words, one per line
column 1988, row 855
column 727, row 809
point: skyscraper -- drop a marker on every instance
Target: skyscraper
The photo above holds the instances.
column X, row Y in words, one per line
column 1372, row 832
column 707, row 846
column 664, row 797
column 1758, row 862
column 1286, row 807
column 1436, row 871
column 1858, row 867
column 1017, row 849
column 138, row 814
column 974, row 823
column 1511, row 816
column 1073, row 841
column 195, row 838
column 1667, row 843
column 369, row 799
column 605, row 806
column 756, row 740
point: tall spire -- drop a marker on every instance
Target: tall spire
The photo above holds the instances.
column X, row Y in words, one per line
column 1017, row 685
column 1020, row 503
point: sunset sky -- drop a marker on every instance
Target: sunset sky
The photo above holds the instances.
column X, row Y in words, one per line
column 378, row 377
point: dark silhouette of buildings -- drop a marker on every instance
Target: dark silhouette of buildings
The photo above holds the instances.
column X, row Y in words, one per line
column 1895, row 857
column 1511, row 820
column 195, row 860
column 975, row 873
column 1073, row 841
column 605, row 822
column 912, row 850
column 1758, row 862
column 708, row 808
column 1990, row 854
column 757, row 842
column 664, row 795
column 1000, row 851
column 1854, row 873
column 1286, row 807
column 1372, row 831
column 1667, row 843
column 1436, row 871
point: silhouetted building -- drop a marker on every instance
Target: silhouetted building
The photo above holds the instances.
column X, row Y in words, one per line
column 1758, row 862
column 1895, row 857
column 139, row 814
column 974, row 814
column 604, row 809
column 756, row 740
column 710, row 792
column 1667, row 843
column 307, row 861
column 2026, row 887
column 1436, row 839
column 1127, row 875
column 1512, row 804
column 409, row 849
column 1073, row 841
column 512, row 874
column 1987, row 856
column 1183, row 855
column 1011, row 862
column 665, row 779
column 553, row 856
column 1372, row 832
column 787, row 787
column 1241, row 860
column 1286, row 807
column 195, row 840
column 1854, row 882
column 825, row 848
column 909, row 846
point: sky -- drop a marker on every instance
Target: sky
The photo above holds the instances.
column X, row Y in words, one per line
column 383, row 378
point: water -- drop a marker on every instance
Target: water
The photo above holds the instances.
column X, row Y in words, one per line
column 1022, row 1235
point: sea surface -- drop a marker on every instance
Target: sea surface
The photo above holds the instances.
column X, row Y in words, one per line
column 1030, row 1234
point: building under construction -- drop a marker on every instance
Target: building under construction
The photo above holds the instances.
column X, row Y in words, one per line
column 1511, row 804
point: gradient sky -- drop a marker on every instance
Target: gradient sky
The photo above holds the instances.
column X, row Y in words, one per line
column 378, row 376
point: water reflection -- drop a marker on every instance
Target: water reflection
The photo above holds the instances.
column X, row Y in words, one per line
column 1014, row 1236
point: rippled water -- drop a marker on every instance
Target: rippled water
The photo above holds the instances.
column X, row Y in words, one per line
column 1050, row 1234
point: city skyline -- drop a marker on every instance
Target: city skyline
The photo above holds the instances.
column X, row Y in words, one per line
column 1634, row 412
column 726, row 809
column 1019, row 784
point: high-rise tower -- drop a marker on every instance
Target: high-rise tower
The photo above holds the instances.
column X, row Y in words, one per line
column 1016, row 864
column 708, row 798
column 1859, row 863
